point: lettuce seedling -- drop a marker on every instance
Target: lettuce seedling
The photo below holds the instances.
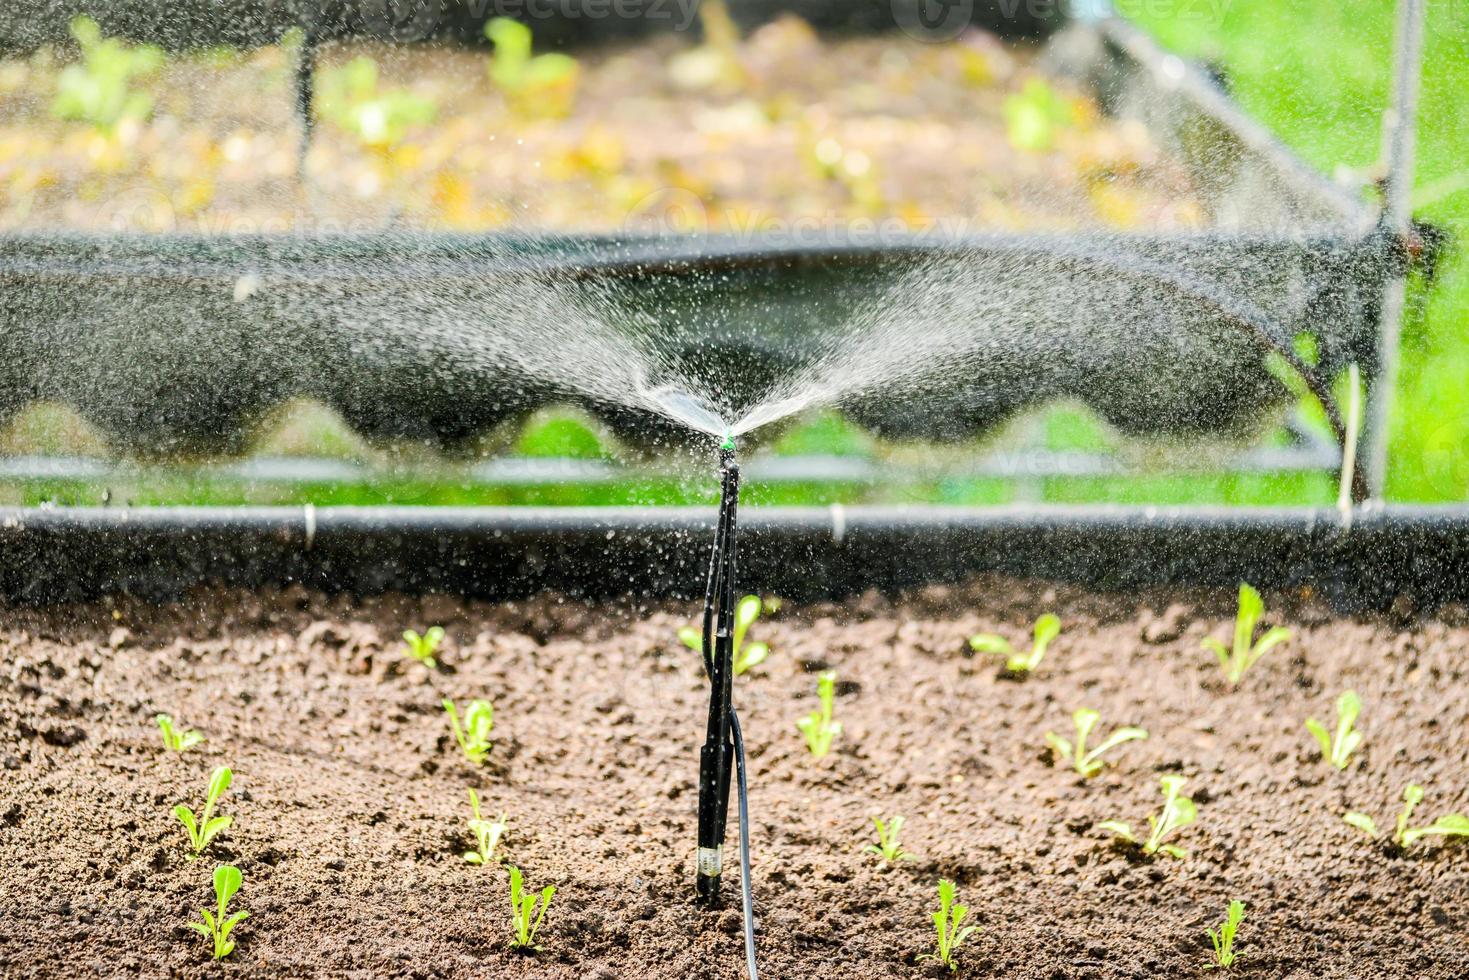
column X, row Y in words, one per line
column 746, row 612
column 947, row 921
column 1088, row 763
column 487, row 834
column 378, row 116
column 540, row 83
column 422, row 648
column 1224, row 954
column 1338, row 748
column 207, row 826
column 818, row 727
column 1178, row 812
column 216, row 927
column 1242, row 656
column 474, row 736
column 99, row 88
column 524, row 919
column 177, row 739
column 888, row 847
column 1449, row 825
column 1047, row 628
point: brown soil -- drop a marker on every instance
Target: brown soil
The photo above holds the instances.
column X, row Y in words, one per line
column 793, row 135
column 349, row 799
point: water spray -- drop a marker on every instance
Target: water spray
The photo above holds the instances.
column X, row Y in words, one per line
column 724, row 745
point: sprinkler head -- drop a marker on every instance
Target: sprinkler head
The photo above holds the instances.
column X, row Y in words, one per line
column 727, row 443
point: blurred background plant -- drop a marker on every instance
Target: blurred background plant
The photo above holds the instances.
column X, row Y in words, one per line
column 1034, row 114
column 378, row 117
column 534, row 84
column 99, row 88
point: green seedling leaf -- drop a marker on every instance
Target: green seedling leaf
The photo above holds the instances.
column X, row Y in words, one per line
column 1246, row 651
column 98, row 89
column 747, row 611
column 1046, row 629
column 948, row 924
column 474, row 735
column 1450, row 825
column 888, row 847
column 487, row 834
column 1034, row 115
column 524, row 920
column 216, row 927
column 379, row 118
column 174, row 739
column 1223, row 940
column 818, row 728
column 1178, row 812
column 1088, row 762
column 1337, row 748
column 1404, row 836
column 990, row 643
column 422, row 648
column 205, row 827
column 544, row 82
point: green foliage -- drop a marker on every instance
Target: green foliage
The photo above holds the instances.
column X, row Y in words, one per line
column 1224, row 954
column 524, row 920
column 1178, row 812
column 1047, row 628
column 746, row 612
column 487, row 834
column 818, row 727
column 474, row 735
column 888, row 846
column 216, row 927
column 1034, row 115
column 378, row 118
column 96, row 90
column 560, row 436
column 1246, row 651
column 825, row 434
column 1449, row 825
column 543, row 83
column 206, row 826
column 1322, row 84
column 175, row 739
column 422, row 648
column 1088, row 762
column 1338, row 748
column 948, row 923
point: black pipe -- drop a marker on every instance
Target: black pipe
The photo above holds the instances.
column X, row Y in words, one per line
column 47, row 555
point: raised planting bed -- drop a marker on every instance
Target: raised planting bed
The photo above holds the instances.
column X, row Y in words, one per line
column 349, row 796
column 736, row 215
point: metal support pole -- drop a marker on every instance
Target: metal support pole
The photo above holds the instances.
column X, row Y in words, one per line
column 1399, row 136
column 305, row 87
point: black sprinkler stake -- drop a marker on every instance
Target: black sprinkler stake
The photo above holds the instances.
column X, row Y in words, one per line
column 716, row 758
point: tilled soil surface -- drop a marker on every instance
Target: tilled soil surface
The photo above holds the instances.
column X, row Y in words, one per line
column 811, row 139
column 349, row 798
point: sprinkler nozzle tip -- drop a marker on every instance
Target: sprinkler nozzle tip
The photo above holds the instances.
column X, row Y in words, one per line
column 727, row 443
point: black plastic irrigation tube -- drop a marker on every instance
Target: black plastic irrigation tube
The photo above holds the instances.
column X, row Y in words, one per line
column 1421, row 552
